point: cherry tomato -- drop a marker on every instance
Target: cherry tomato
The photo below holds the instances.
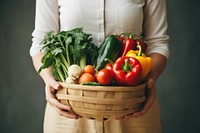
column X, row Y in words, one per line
column 88, row 69
column 108, row 66
column 86, row 77
column 105, row 77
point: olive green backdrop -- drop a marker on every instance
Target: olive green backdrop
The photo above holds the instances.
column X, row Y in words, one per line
column 22, row 100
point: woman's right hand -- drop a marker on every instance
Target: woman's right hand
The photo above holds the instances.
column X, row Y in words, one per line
column 51, row 87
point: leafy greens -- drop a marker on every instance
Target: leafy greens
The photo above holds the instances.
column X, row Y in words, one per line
column 65, row 48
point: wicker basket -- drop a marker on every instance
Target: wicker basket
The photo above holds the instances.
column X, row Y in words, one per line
column 102, row 102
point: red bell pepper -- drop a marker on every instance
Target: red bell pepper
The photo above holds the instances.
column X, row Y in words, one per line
column 118, row 38
column 127, row 71
column 131, row 41
column 142, row 43
column 128, row 44
column 121, row 37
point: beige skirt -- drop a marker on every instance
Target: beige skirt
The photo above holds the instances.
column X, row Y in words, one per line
column 149, row 123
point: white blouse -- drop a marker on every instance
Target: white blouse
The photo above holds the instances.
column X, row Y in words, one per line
column 104, row 17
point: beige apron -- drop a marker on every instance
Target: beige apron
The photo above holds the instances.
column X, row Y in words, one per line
column 149, row 123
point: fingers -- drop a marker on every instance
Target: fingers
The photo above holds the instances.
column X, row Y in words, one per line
column 126, row 116
column 54, row 84
column 51, row 98
column 149, row 101
column 62, row 109
column 151, row 95
column 65, row 113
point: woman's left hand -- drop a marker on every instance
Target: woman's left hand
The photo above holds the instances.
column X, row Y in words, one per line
column 151, row 96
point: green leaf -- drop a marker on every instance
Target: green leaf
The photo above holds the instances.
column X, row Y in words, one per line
column 69, row 40
column 47, row 61
column 57, row 51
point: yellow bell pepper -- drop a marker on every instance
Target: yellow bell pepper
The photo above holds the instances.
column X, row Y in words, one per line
column 145, row 61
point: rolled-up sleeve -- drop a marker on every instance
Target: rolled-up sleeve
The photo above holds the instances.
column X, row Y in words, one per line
column 46, row 19
column 155, row 27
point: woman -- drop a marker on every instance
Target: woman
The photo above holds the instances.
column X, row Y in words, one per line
column 101, row 18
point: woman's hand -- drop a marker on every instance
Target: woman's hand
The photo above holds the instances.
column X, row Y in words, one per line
column 151, row 96
column 51, row 87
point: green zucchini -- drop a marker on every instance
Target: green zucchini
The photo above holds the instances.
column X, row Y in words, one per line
column 110, row 48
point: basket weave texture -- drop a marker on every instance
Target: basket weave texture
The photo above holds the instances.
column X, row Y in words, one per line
column 102, row 102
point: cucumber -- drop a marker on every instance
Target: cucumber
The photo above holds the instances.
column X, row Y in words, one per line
column 91, row 83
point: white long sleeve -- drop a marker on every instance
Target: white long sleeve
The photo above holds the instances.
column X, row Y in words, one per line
column 103, row 17
column 46, row 19
column 155, row 27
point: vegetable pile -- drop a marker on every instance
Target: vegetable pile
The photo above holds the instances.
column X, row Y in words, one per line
column 75, row 59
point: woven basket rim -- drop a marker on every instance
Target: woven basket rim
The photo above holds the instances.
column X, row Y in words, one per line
column 102, row 88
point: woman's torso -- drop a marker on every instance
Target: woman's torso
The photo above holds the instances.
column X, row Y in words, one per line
column 102, row 17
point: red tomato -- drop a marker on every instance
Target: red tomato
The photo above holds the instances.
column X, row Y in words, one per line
column 86, row 77
column 105, row 77
column 109, row 66
column 89, row 69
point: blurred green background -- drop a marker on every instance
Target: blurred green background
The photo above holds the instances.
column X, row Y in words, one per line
column 22, row 100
